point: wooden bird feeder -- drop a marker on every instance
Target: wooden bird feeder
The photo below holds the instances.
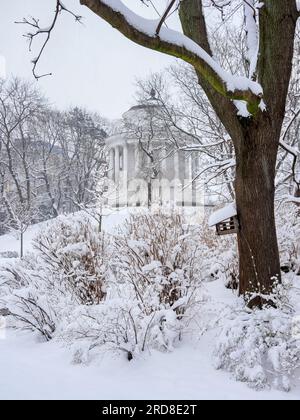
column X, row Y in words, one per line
column 225, row 220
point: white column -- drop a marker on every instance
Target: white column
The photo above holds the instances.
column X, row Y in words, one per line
column 125, row 174
column 125, row 158
column 137, row 154
column 178, row 181
column 111, row 168
column 164, row 167
column 117, row 164
column 190, row 167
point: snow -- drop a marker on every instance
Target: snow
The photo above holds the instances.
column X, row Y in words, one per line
column 241, row 107
column 222, row 214
column 252, row 35
column 10, row 242
column 43, row 371
column 152, row 266
column 149, row 27
column 292, row 199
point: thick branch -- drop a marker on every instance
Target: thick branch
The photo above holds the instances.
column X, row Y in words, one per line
column 277, row 26
column 143, row 32
column 194, row 26
column 164, row 16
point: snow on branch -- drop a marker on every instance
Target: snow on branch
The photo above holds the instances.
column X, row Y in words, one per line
column 292, row 199
column 252, row 34
column 165, row 15
column 152, row 34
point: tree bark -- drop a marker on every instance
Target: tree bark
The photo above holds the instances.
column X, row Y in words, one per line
column 259, row 263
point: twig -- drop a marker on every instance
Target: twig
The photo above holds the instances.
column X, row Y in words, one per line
column 34, row 23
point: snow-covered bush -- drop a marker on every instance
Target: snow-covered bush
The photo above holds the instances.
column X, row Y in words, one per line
column 31, row 312
column 219, row 257
column 67, row 270
column 159, row 256
column 155, row 273
column 119, row 325
column 9, row 254
column 259, row 348
column 76, row 252
column 26, row 293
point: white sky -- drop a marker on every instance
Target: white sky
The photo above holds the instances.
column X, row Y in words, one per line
column 93, row 65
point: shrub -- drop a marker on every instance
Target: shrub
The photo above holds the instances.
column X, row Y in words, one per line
column 9, row 254
column 118, row 325
column 76, row 252
column 68, row 269
column 159, row 257
column 26, row 293
column 155, row 274
column 259, row 348
column 219, row 257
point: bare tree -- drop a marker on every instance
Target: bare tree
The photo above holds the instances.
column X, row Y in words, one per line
column 20, row 106
column 50, row 161
column 19, row 216
column 81, row 144
column 288, row 169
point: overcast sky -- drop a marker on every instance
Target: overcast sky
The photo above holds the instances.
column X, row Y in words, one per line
column 92, row 64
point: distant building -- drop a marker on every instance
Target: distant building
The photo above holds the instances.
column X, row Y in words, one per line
column 145, row 164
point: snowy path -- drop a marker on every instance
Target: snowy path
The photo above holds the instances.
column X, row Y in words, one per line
column 31, row 370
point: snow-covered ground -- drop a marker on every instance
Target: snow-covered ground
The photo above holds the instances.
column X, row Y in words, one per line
column 10, row 242
column 32, row 369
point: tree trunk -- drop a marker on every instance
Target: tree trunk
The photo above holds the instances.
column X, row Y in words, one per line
column 259, row 262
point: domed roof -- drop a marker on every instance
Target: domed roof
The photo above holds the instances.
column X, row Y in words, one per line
column 148, row 104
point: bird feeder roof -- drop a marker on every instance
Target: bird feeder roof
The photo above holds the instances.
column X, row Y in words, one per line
column 222, row 214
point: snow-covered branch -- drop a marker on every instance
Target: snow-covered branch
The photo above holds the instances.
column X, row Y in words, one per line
column 144, row 32
column 292, row 199
column 252, row 35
